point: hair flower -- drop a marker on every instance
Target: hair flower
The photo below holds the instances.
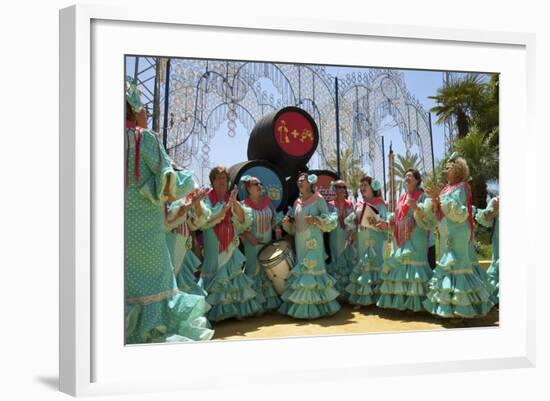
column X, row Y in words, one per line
column 312, row 178
column 375, row 185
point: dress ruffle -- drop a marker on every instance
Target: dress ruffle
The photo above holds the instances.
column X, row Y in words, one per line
column 405, row 280
column 492, row 273
column 364, row 281
column 342, row 268
column 180, row 317
column 309, row 291
column 185, row 277
column 458, row 293
column 230, row 291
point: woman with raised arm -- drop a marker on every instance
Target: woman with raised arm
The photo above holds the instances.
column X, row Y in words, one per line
column 182, row 217
column 309, row 291
column 341, row 251
column 229, row 289
column 455, row 290
column 406, row 271
column 156, row 310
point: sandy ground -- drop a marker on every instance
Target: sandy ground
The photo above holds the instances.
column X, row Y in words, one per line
column 348, row 320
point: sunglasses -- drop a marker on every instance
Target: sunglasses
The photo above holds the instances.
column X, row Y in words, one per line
column 340, row 187
column 256, row 184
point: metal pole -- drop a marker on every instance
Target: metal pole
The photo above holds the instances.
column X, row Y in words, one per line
column 337, row 127
column 384, row 167
column 136, row 65
column 166, row 104
column 431, row 140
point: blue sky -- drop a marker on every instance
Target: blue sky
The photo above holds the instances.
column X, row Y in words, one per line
column 421, row 84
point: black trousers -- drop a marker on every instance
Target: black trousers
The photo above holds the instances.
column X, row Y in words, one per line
column 431, row 256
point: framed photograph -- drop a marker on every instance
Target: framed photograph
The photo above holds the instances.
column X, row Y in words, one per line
column 325, row 89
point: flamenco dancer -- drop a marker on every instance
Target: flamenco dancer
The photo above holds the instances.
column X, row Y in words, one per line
column 406, row 271
column 156, row 310
column 229, row 289
column 455, row 291
column 370, row 241
column 342, row 253
column 309, row 291
column 488, row 217
column 182, row 217
column 264, row 220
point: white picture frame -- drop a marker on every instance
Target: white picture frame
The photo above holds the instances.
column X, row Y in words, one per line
column 91, row 40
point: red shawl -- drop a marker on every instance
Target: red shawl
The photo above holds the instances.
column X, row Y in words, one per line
column 264, row 203
column 343, row 208
column 401, row 214
column 263, row 222
column 468, row 190
column 224, row 229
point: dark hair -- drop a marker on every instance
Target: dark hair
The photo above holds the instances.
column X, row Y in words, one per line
column 304, row 174
column 130, row 114
column 368, row 180
column 218, row 170
column 341, row 183
column 416, row 175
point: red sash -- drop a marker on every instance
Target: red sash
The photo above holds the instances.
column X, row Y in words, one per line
column 224, row 229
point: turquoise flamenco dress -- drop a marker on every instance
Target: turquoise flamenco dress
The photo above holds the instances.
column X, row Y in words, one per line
column 230, row 290
column 406, row 271
column 492, row 272
column 179, row 240
column 309, row 291
column 264, row 219
column 156, row 310
column 341, row 251
column 365, row 278
column 455, row 290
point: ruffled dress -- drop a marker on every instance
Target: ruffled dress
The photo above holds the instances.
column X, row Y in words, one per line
column 406, row 271
column 179, row 240
column 309, row 290
column 342, row 253
column 455, row 290
column 156, row 310
column 365, row 278
column 264, row 219
column 230, row 290
column 492, row 271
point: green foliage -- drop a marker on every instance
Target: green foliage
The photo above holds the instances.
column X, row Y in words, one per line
column 350, row 169
column 458, row 100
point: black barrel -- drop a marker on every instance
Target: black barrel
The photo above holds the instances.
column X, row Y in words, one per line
column 287, row 138
column 274, row 183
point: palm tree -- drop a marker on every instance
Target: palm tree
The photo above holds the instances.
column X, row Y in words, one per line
column 457, row 100
column 350, row 169
column 482, row 159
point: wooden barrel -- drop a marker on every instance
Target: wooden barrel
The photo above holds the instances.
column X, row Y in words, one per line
column 287, row 138
column 273, row 181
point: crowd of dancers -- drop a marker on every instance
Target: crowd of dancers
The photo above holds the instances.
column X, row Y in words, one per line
column 173, row 294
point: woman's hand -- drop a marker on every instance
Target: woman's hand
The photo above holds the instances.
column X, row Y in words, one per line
column 381, row 225
column 311, row 220
column 412, row 203
column 233, row 195
column 250, row 238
